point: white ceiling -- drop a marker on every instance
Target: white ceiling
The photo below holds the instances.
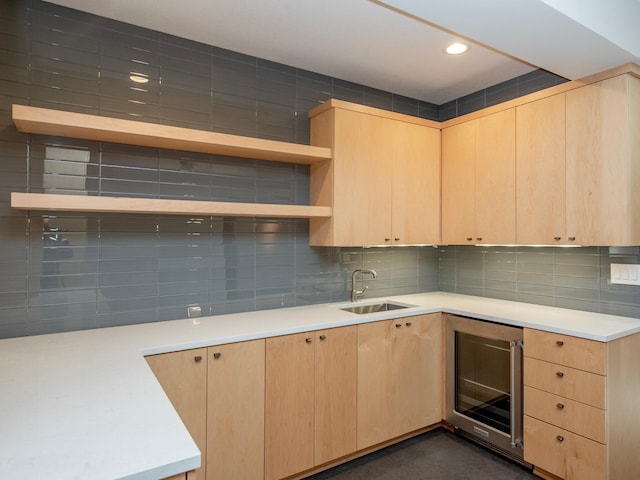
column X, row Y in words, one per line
column 396, row 45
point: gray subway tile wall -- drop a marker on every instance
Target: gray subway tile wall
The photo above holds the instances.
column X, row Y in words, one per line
column 514, row 88
column 577, row 278
column 63, row 272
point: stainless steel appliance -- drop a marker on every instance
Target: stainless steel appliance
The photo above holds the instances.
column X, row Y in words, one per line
column 484, row 383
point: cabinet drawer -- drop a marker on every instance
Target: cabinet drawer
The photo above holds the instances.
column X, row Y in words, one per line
column 567, row 382
column 573, row 352
column 565, row 413
column 563, row 453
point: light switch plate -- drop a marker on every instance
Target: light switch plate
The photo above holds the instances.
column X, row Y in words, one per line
column 624, row 273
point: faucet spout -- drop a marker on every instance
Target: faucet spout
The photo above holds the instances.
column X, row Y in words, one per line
column 355, row 293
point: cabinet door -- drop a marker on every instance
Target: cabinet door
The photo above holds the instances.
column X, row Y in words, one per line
column 383, row 182
column 335, row 393
column 603, row 162
column 496, row 178
column 363, row 145
column 235, row 419
column 376, row 383
column 459, row 184
column 399, row 377
column 540, row 172
column 289, row 409
column 418, row 360
column 415, row 191
column 183, row 376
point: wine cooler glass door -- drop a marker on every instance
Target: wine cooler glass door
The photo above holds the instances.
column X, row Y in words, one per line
column 482, row 380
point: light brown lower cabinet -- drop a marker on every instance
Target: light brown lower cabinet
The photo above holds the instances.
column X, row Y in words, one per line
column 399, row 377
column 183, row 376
column 235, row 411
column 580, row 406
column 219, row 394
column 182, row 476
column 310, row 400
column 564, row 453
column 290, row 404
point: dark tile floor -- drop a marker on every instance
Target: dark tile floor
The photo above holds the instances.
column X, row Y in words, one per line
column 435, row 455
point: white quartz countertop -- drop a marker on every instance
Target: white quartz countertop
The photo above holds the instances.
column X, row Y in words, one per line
column 85, row 405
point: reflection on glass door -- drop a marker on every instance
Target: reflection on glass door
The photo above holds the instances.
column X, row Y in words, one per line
column 482, row 380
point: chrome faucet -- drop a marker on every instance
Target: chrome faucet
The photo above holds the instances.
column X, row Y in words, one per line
column 355, row 293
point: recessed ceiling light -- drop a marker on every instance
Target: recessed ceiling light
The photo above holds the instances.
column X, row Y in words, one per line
column 456, row 48
column 138, row 78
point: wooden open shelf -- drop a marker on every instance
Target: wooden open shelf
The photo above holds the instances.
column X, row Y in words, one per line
column 93, row 127
column 83, row 203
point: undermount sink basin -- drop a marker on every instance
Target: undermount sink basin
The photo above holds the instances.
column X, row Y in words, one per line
column 373, row 308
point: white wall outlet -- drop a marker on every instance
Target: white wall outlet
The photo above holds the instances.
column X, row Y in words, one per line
column 624, row 273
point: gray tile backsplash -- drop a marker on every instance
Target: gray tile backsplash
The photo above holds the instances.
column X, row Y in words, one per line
column 575, row 278
column 64, row 272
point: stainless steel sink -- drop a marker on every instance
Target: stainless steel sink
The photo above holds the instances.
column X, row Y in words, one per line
column 373, row 308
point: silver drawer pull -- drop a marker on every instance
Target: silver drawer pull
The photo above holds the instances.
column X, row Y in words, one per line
column 398, row 325
column 560, row 406
column 560, row 438
column 217, row 355
column 198, row 358
column 559, row 343
column 308, row 340
column 560, row 374
column 323, row 337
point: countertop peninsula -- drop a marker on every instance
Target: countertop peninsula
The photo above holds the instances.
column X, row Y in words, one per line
column 86, row 405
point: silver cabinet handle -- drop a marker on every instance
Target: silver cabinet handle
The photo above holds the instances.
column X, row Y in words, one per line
column 560, row 406
column 560, row 374
column 217, row 355
column 557, row 238
column 308, row 340
column 469, row 239
column 559, row 343
column 572, row 238
column 560, row 438
column 408, row 324
column 323, row 337
column 398, row 325
column 197, row 358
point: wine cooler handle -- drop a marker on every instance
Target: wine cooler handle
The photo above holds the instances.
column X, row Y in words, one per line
column 516, row 391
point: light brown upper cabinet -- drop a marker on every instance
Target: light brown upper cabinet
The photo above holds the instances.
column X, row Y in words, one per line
column 478, row 180
column 540, row 172
column 603, row 162
column 383, row 181
column 415, row 192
